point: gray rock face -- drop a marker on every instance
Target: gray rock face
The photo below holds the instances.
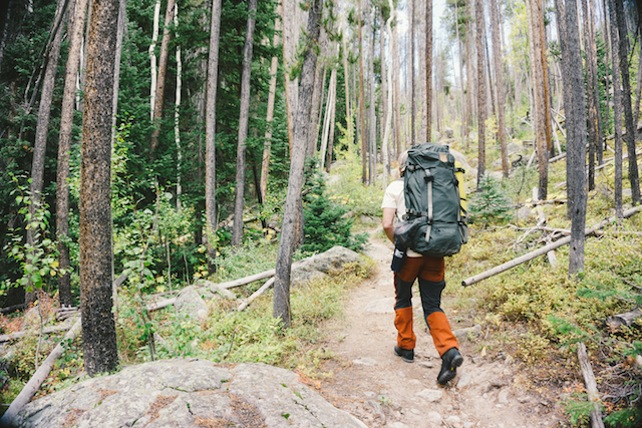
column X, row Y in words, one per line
column 187, row 393
column 190, row 302
column 322, row 264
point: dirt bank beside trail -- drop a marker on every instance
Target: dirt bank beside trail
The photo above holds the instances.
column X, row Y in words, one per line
column 373, row 384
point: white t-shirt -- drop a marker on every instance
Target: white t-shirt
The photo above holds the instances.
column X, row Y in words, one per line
column 393, row 197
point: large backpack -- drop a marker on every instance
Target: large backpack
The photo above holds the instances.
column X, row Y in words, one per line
column 435, row 220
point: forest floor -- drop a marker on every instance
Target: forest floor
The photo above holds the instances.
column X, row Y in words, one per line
column 369, row 381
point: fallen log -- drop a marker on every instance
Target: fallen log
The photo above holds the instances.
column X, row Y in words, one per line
column 541, row 251
column 626, row 318
column 256, row 294
column 39, row 377
column 47, row 330
column 591, row 386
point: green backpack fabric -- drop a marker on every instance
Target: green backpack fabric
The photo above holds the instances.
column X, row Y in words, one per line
column 435, row 220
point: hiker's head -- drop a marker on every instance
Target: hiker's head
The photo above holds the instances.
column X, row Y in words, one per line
column 403, row 158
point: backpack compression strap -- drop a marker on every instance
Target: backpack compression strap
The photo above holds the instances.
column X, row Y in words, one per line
column 428, row 177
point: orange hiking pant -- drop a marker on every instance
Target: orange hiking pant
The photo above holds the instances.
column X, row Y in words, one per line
column 430, row 272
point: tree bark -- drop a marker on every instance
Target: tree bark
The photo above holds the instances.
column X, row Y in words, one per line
column 295, row 180
column 76, row 26
column 591, row 96
column 411, row 70
column 631, row 128
column 428, row 70
column 267, row 145
column 210, row 134
column 98, row 327
column 153, row 59
column 617, row 113
column 239, row 202
column 162, row 75
column 481, row 94
column 362, row 103
column 576, row 144
column 540, row 94
column 499, row 83
column 42, row 127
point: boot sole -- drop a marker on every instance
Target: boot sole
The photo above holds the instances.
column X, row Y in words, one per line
column 446, row 377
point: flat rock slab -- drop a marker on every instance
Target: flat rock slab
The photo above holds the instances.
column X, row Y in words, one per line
column 187, row 393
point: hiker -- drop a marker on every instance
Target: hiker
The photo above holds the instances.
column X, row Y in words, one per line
column 430, row 272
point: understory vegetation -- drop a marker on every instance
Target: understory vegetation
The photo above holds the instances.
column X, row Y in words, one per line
column 533, row 315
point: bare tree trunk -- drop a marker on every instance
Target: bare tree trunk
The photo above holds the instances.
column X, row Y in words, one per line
column 76, row 27
column 372, row 115
column 42, row 127
column 153, row 59
column 464, row 110
column 291, row 19
column 396, row 93
column 177, row 119
column 428, row 70
column 481, row 94
column 98, row 326
column 617, row 112
column 540, row 95
column 634, row 178
column 592, row 95
column 411, row 71
column 239, row 202
column 162, row 73
column 470, row 70
column 295, row 180
column 499, row 83
column 328, row 122
column 267, row 145
column 362, row 106
column 210, row 134
column 385, row 143
column 576, row 144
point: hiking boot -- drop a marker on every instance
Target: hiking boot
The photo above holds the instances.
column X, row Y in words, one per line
column 408, row 355
column 449, row 363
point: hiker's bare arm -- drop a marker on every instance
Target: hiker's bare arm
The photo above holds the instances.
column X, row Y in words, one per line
column 388, row 223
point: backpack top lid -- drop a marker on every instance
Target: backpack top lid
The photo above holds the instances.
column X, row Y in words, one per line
column 431, row 163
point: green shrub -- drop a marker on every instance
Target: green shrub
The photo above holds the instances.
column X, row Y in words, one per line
column 490, row 204
column 325, row 222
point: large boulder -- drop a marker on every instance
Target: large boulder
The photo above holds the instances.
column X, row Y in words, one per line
column 323, row 264
column 187, row 393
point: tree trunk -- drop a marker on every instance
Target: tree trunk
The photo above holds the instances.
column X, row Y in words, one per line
column 481, row 93
column 98, row 327
column 470, row 67
column 499, row 83
column 592, row 100
column 239, row 202
column 540, row 95
column 162, row 73
column 210, row 134
column 177, row 117
column 328, row 123
column 153, row 59
column 385, row 143
column 428, row 70
column 362, row 103
column 42, row 128
column 267, row 145
column 76, row 27
column 631, row 128
column 295, row 180
column 576, row 144
column 396, row 81
column 411, row 70
column 617, row 112
column 372, row 114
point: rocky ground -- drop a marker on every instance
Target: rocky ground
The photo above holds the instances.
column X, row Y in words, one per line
column 372, row 383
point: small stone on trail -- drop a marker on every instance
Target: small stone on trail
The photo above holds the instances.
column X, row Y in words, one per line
column 431, row 395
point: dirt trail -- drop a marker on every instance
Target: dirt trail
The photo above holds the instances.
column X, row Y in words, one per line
column 373, row 384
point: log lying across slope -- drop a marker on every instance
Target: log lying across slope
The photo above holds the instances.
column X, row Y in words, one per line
column 541, row 251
